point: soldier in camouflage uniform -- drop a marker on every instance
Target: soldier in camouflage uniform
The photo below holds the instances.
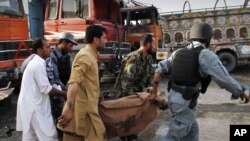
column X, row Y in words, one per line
column 136, row 71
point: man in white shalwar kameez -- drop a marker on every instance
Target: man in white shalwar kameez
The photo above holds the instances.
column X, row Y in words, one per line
column 33, row 108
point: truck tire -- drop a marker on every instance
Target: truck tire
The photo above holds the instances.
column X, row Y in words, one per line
column 228, row 60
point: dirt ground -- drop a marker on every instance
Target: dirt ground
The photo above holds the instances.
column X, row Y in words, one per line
column 216, row 113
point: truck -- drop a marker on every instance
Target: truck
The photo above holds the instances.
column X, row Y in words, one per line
column 49, row 18
column 75, row 16
column 139, row 20
column 15, row 46
column 120, row 19
column 17, row 31
column 231, row 26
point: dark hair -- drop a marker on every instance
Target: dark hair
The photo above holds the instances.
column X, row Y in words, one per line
column 94, row 31
column 147, row 38
column 37, row 43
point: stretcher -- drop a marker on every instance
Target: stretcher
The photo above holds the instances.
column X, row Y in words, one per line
column 131, row 114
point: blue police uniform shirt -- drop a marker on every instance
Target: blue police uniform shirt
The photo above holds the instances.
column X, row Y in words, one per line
column 209, row 65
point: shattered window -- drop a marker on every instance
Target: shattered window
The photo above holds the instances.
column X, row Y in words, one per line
column 140, row 22
column 141, row 17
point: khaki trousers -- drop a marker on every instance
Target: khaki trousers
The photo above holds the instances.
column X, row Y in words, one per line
column 67, row 137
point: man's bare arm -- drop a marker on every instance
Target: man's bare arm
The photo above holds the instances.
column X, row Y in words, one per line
column 56, row 92
column 71, row 95
column 157, row 77
column 68, row 109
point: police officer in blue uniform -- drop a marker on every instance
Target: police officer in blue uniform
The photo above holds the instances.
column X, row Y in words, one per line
column 58, row 68
column 191, row 70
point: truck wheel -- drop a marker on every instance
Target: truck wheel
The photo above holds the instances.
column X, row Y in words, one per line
column 228, row 60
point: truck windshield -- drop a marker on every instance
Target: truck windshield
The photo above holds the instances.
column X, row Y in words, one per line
column 75, row 8
column 11, row 8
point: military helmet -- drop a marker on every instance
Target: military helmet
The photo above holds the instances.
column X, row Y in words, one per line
column 201, row 31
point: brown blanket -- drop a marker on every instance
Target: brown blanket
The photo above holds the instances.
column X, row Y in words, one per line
column 128, row 115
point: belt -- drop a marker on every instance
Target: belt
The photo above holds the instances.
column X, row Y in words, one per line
column 178, row 88
column 187, row 92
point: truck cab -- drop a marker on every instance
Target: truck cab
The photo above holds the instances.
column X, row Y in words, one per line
column 139, row 20
column 75, row 16
column 15, row 45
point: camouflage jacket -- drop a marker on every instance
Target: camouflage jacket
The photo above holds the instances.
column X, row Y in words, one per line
column 136, row 74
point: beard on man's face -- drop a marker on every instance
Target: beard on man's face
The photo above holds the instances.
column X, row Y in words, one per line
column 150, row 51
column 100, row 48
